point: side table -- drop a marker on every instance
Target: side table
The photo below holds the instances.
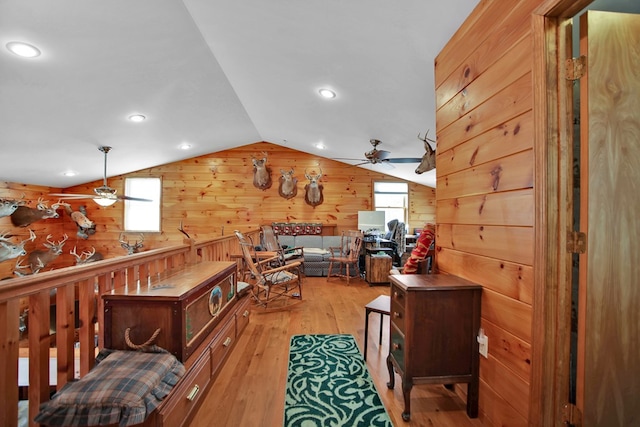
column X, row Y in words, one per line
column 381, row 305
column 377, row 268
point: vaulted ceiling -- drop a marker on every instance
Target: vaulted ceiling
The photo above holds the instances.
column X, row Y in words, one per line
column 215, row 74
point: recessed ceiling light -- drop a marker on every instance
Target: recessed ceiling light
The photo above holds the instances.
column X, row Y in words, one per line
column 185, row 146
column 137, row 118
column 23, row 49
column 320, row 146
column 69, row 173
column 327, row 93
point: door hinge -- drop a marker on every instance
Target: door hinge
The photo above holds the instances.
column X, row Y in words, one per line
column 576, row 67
column 571, row 415
column 576, row 242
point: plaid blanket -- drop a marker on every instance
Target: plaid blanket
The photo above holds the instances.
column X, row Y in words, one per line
column 124, row 388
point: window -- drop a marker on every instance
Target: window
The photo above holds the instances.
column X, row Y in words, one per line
column 392, row 198
column 142, row 216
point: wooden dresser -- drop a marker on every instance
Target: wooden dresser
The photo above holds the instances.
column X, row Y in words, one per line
column 435, row 320
column 200, row 316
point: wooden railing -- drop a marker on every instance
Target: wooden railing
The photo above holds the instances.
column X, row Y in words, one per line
column 73, row 292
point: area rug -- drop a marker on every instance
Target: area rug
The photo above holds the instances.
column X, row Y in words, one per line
column 328, row 384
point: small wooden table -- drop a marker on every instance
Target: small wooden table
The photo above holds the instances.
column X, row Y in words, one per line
column 380, row 305
column 377, row 268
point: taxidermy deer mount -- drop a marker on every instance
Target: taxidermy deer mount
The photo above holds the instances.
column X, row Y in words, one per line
column 428, row 161
column 288, row 184
column 261, row 172
column 313, row 190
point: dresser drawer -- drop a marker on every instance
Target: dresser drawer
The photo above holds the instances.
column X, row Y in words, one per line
column 242, row 318
column 398, row 308
column 187, row 394
column 397, row 347
column 222, row 345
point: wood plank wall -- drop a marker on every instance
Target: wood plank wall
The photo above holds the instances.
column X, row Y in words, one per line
column 485, row 194
column 214, row 194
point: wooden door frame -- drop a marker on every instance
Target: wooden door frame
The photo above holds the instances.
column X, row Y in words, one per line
column 553, row 145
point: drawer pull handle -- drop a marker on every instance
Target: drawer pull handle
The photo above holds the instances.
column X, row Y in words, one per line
column 396, row 346
column 246, row 313
column 227, row 342
column 397, row 315
column 193, row 393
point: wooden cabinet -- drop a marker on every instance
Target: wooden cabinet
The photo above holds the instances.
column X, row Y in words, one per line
column 185, row 306
column 377, row 268
column 200, row 316
column 435, row 320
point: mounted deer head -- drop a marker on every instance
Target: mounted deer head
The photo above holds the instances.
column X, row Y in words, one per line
column 131, row 248
column 429, row 158
column 10, row 250
column 40, row 258
column 9, row 206
column 288, row 184
column 24, row 216
column 313, row 190
column 86, row 227
column 261, row 173
column 86, row 256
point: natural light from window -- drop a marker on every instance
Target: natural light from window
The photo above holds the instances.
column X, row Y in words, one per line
column 142, row 216
column 392, row 198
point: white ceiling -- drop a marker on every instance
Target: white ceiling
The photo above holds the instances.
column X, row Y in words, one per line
column 216, row 74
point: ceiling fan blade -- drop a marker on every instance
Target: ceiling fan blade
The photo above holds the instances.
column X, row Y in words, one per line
column 405, row 160
column 382, row 154
column 135, row 199
column 354, row 160
column 73, row 196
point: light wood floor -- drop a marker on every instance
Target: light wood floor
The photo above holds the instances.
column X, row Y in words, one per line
column 249, row 392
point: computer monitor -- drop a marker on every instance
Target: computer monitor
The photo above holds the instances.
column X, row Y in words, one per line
column 371, row 222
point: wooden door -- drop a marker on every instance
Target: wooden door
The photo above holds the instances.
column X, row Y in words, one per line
column 608, row 374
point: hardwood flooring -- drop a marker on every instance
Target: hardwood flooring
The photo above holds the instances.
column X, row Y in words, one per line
column 250, row 389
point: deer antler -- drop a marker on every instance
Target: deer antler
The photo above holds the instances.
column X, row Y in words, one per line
column 425, row 139
column 181, row 229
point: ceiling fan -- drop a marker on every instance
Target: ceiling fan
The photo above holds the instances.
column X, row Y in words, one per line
column 105, row 195
column 376, row 156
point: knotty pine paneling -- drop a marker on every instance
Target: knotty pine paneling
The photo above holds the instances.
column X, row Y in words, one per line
column 504, row 208
column 485, row 204
column 514, row 27
column 511, row 137
column 512, row 386
column 214, row 194
column 498, row 411
column 509, row 349
column 507, row 278
column 515, row 65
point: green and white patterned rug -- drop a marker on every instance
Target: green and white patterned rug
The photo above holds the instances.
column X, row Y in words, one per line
column 328, row 384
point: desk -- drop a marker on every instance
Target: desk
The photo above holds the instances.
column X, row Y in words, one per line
column 434, row 323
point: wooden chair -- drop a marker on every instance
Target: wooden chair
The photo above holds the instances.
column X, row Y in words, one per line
column 269, row 283
column 347, row 254
column 285, row 255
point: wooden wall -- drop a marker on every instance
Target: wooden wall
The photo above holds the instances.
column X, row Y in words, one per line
column 485, row 193
column 214, row 194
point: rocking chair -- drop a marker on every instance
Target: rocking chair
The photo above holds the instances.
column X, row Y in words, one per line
column 285, row 255
column 347, row 254
column 269, row 283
